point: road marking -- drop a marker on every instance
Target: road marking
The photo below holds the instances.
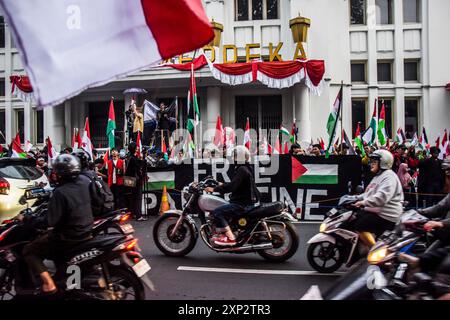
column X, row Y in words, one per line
column 259, row 271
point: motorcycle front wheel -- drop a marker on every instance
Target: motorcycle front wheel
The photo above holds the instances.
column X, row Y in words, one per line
column 284, row 240
column 178, row 244
column 325, row 257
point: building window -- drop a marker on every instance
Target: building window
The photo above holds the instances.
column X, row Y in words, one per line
column 2, row 87
column 2, row 126
column 358, row 115
column 39, row 126
column 388, row 113
column 411, row 70
column 20, row 124
column 411, row 11
column 256, row 9
column 358, row 12
column 2, row 32
column 384, row 12
column 384, row 71
column 411, row 117
column 358, row 70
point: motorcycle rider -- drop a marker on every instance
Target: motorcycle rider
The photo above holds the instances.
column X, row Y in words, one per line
column 70, row 215
column 382, row 200
column 244, row 194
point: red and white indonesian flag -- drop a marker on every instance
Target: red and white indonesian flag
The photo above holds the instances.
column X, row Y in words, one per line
column 51, row 152
column 247, row 138
column 68, row 46
column 86, row 143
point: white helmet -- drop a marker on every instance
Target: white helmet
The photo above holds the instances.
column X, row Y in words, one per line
column 385, row 157
column 241, row 154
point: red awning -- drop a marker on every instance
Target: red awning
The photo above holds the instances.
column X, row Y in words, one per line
column 447, row 86
column 22, row 82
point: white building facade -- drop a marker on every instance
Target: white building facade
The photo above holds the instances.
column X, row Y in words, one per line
column 393, row 50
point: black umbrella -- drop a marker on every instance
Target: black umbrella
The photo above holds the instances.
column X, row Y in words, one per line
column 135, row 91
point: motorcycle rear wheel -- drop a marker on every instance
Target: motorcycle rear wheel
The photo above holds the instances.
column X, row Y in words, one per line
column 279, row 239
column 168, row 245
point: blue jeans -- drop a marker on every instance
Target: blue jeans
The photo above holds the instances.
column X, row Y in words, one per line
column 221, row 214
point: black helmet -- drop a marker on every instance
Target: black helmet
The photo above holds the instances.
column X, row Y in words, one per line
column 84, row 157
column 66, row 166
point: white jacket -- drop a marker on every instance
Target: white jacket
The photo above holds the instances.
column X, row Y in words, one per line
column 384, row 196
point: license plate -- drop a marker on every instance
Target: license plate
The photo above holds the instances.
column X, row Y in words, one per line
column 127, row 228
column 141, row 268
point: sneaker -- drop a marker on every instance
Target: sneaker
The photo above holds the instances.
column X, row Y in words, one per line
column 225, row 241
column 141, row 219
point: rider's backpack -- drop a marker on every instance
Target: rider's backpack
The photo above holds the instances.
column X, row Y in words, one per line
column 102, row 199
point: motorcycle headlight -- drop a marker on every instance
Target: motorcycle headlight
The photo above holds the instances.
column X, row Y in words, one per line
column 323, row 227
column 377, row 255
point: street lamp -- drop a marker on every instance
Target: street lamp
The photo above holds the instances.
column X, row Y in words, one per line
column 218, row 29
column 299, row 27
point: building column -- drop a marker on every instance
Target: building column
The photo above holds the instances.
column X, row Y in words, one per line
column 28, row 117
column 56, row 132
column 213, row 95
column 399, row 110
column 302, row 112
column 68, row 122
column 399, row 102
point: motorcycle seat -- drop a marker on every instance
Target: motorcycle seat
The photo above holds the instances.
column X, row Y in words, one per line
column 266, row 209
column 100, row 241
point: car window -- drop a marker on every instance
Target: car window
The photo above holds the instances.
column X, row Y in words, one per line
column 17, row 171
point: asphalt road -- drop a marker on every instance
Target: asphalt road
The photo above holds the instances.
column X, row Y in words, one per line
column 205, row 274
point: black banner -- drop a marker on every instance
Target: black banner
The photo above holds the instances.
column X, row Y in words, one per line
column 309, row 185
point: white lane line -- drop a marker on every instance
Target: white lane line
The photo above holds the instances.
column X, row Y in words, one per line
column 259, row 271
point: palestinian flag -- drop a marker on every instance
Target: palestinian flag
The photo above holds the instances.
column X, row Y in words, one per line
column 400, row 137
column 381, row 132
column 314, row 173
column 284, row 131
column 294, row 132
column 192, row 122
column 111, row 126
column 157, row 180
column 369, row 136
column 351, row 150
column 359, row 142
column 286, row 148
column 16, row 148
column 2, row 151
column 219, row 134
column 333, row 120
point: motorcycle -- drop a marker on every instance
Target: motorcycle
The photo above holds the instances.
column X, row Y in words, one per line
column 265, row 229
column 108, row 223
column 109, row 267
column 333, row 246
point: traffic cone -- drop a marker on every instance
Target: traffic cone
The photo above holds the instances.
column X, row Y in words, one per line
column 165, row 206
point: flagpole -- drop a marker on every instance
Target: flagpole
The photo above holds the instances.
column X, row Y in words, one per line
column 341, row 113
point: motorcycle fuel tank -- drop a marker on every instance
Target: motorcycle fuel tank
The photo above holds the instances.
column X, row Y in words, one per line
column 208, row 202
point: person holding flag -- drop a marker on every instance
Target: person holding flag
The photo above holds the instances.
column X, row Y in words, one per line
column 135, row 169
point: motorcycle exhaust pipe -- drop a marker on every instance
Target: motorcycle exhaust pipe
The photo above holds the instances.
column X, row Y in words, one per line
column 262, row 246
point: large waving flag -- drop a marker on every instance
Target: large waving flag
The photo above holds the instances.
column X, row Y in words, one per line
column 16, row 148
column 86, row 143
column 150, row 110
column 381, row 132
column 370, row 134
column 333, row 120
column 85, row 43
column 111, row 127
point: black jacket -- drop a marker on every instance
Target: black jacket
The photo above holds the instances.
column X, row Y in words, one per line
column 242, row 187
column 439, row 210
column 69, row 210
column 431, row 173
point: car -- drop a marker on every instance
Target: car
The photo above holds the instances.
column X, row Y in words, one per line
column 17, row 175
